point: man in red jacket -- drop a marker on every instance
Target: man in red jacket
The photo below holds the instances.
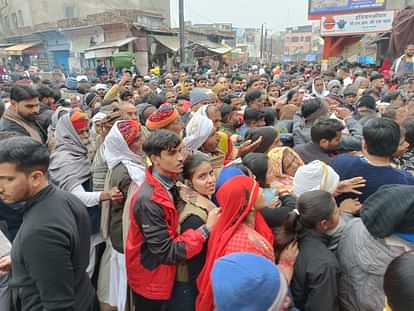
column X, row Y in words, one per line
column 153, row 247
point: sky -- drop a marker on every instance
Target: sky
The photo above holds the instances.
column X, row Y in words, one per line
column 277, row 14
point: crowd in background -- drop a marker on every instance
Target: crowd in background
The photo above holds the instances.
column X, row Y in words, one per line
column 252, row 188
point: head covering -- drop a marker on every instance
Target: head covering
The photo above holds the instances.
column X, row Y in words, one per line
column 315, row 176
column 244, row 281
column 117, row 149
column 198, row 95
column 226, row 174
column 163, row 117
column 71, row 83
column 234, row 210
column 367, row 101
column 101, row 86
column 79, row 120
column 268, row 134
column 198, row 130
column 89, row 99
column 315, row 92
column 69, row 163
column 390, row 210
column 130, row 130
column 332, row 84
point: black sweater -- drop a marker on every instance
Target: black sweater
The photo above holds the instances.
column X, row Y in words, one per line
column 51, row 253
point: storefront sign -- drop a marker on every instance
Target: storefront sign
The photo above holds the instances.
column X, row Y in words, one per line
column 318, row 8
column 339, row 25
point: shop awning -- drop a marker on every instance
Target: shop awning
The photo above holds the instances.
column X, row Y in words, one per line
column 111, row 45
column 214, row 47
column 20, row 49
column 170, row 42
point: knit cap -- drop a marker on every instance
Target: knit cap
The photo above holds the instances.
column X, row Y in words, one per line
column 199, row 95
column 247, row 282
column 332, row 84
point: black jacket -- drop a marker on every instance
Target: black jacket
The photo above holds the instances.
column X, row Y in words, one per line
column 51, row 253
column 315, row 280
column 310, row 152
column 7, row 125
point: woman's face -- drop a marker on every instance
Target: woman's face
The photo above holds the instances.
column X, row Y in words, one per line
column 295, row 100
column 204, row 179
column 274, row 92
column 333, row 221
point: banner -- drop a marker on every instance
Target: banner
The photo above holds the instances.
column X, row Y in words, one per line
column 340, row 25
column 318, row 8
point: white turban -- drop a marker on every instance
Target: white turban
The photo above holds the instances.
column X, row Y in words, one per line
column 315, row 176
column 197, row 131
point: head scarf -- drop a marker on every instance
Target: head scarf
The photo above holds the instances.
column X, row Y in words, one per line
column 268, row 134
column 285, row 162
column 324, row 93
column 69, row 163
column 390, row 210
column 315, row 176
column 79, row 120
column 163, row 117
column 116, row 151
column 198, row 130
column 234, row 210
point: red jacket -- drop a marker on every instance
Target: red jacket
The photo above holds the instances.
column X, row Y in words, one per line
column 153, row 247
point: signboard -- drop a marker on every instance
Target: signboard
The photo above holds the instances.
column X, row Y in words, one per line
column 340, row 25
column 318, row 8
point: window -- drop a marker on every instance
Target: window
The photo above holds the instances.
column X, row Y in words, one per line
column 21, row 21
column 69, row 12
column 295, row 39
column 308, row 39
column 14, row 21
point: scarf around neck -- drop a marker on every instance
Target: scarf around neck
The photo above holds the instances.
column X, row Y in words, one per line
column 31, row 128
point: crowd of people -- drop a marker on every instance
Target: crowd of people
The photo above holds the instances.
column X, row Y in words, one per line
column 264, row 188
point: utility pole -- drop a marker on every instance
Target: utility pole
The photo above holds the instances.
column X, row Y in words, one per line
column 182, row 34
column 265, row 46
column 261, row 43
column 271, row 49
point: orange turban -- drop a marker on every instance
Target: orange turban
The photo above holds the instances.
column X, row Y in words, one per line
column 79, row 120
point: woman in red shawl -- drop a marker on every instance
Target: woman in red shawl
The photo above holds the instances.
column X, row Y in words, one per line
column 239, row 229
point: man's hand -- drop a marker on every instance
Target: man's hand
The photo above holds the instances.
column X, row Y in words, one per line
column 350, row 206
column 212, row 218
column 248, row 146
column 343, row 113
column 5, row 265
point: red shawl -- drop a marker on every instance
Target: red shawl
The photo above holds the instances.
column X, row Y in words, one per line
column 236, row 199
